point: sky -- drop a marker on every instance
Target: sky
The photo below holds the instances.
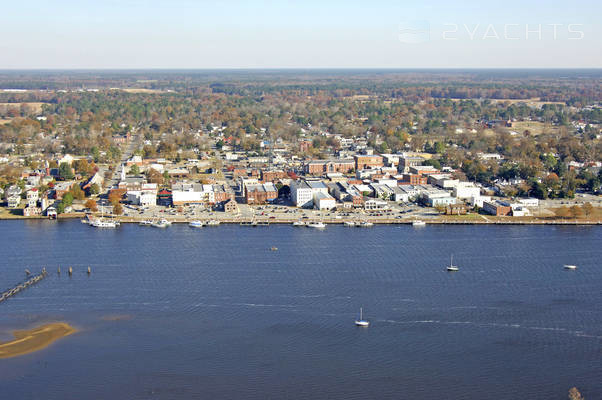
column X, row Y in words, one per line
column 188, row 34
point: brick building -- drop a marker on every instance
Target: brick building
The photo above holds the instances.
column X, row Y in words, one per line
column 319, row 167
column 363, row 161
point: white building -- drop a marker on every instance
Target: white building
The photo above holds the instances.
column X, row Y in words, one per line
column 33, row 196
column 303, row 191
column 324, row 201
column 375, row 204
column 466, row 190
column 478, row 200
column 301, row 194
column 190, row 193
column 145, row 196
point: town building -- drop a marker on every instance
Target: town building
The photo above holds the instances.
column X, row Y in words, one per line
column 261, row 193
column 230, row 206
column 466, row 190
column 192, row 193
column 408, row 161
column 324, row 201
column 367, row 161
column 319, row 167
column 497, row 208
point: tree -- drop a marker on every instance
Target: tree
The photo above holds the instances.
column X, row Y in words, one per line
column 117, row 209
column 81, row 166
column 165, row 177
column 60, row 208
column 576, row 212
column 562, row 212
column 135, row 170
column 116, row 195
column 588, row 209
column 67, row 199
column 94, row 189
column 77, row 192
column 65, row 172
column 91, row 205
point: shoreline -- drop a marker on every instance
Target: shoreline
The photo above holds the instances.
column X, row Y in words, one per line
column 36, row 339
column 440, row 220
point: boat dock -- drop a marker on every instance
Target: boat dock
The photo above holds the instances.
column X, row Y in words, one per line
column 24, row 285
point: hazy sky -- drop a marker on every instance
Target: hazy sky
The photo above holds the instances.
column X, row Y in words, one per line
column 299, row 34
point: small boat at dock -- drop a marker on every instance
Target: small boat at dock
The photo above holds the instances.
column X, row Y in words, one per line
column 317, row 225
column 162, row 223
column 418, row 223
column 196, row 224
column 213, row 222
column 299, row 223
column 349, row 223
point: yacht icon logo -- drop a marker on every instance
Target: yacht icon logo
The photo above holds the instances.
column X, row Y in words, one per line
column 414, row 32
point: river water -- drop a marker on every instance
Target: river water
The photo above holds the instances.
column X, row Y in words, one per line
column 213, row 313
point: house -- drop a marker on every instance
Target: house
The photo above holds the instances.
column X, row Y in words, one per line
column 164, row 198
column 51, row 213
column 13, row 201
column 230, row 206
column 30, row 210
column 33, row 196
column 96, row 179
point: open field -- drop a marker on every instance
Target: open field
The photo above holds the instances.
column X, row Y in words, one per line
column 141, row 90
column 36, row 106
column 535, row 127
column 29, row 341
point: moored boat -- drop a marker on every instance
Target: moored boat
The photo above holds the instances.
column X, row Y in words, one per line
column 163, row 223
column 361, row 321
column 195, row 224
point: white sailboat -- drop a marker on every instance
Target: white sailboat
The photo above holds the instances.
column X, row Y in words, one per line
column 317, row 225
column 361, row 321
column 452, row 267
column 570, row 266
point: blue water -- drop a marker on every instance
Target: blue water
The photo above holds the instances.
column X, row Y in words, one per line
column 212, row 313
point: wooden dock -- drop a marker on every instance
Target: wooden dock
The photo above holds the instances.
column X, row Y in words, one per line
column 24, row 285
